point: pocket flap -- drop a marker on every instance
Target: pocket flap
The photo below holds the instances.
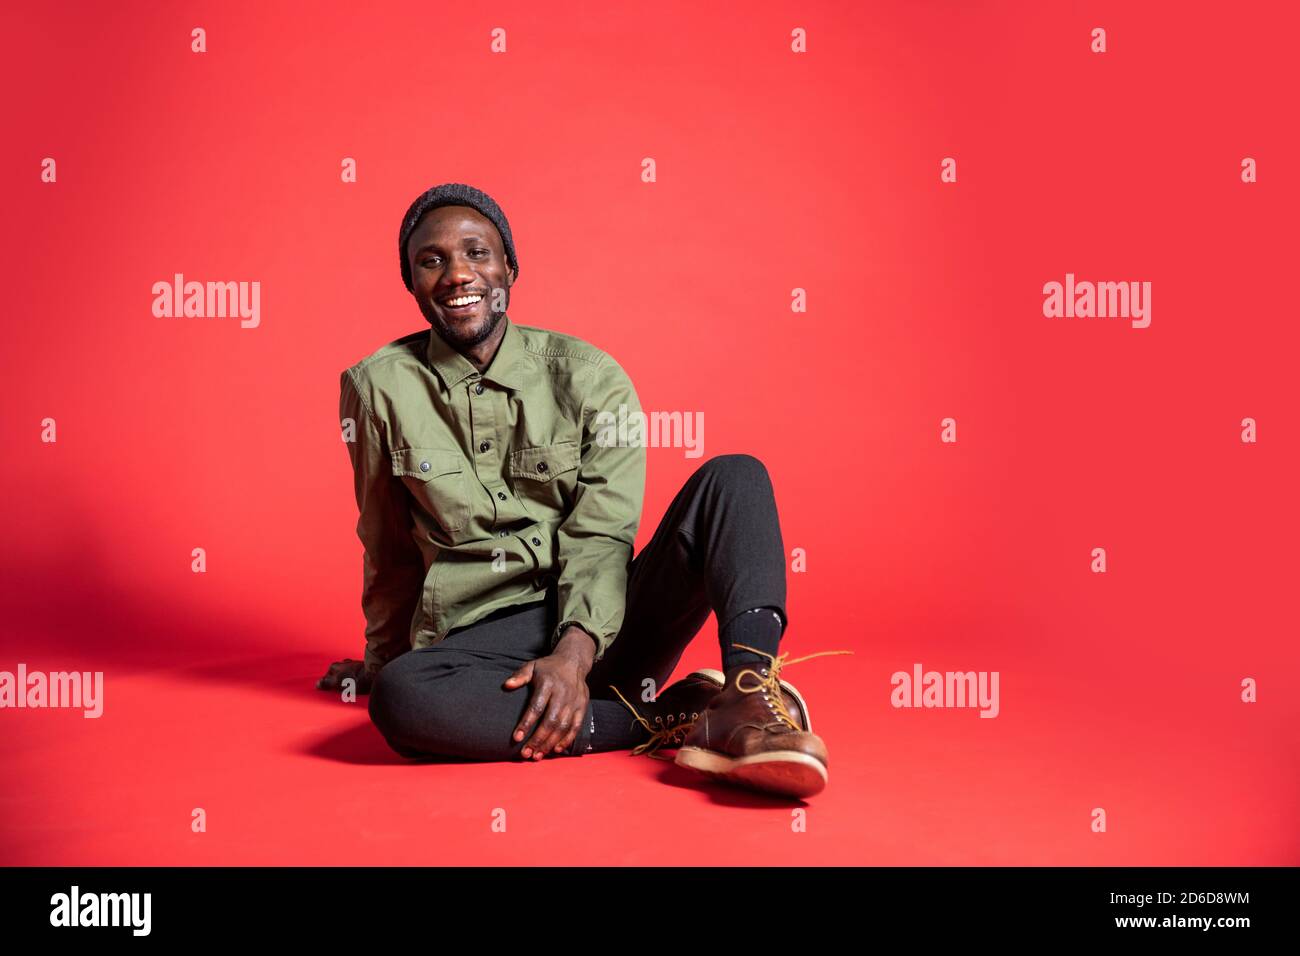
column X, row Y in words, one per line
column 544, row 462
column 426, row 463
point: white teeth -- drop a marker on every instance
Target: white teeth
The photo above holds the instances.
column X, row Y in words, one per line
column 464, row 300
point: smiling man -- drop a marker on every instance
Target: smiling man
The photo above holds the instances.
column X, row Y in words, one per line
column 505, row 614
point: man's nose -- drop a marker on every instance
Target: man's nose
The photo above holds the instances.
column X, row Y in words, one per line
column 458, row 269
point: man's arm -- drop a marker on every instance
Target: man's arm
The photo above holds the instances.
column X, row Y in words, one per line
column 595, row 541
column 393, row 569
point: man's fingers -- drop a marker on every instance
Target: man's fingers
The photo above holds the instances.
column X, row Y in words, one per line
column 564, row 736
column 340, row 670
column 520, row 677
column 333, row 675
column 545, row 730
column 553, row 728
column 579, row 720
column 565, row 740
column 536, row 707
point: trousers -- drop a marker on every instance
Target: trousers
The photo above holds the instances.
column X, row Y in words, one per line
column 718, row 549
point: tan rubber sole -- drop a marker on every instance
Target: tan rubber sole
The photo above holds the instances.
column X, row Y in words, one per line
column 786, row 772
column 713, row 674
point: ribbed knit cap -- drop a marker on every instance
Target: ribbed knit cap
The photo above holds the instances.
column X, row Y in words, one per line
column 454, row 194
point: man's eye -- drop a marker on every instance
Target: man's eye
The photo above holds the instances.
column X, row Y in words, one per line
column 479, row 252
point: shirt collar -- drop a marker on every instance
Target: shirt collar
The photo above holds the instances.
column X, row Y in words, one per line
column 505, row 369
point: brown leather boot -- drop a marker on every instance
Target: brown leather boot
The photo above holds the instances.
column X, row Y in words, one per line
column 756, row 733
column 670, row 716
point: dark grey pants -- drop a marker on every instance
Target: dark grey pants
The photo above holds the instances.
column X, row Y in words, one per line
column 718, row 548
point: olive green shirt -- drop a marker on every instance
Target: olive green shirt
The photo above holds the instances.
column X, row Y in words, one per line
column 478, row 491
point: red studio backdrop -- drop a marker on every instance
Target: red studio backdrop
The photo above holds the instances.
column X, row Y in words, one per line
column 1100, row 510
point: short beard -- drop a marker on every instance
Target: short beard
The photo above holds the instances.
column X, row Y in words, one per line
column 448, row 334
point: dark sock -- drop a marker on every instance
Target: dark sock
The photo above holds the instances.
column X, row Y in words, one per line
column 614, row 728
column 759, row 627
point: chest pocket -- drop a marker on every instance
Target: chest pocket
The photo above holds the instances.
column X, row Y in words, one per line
column 546, row 475
column 436, row 479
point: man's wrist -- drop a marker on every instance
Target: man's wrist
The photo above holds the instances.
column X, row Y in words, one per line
column 575, row 640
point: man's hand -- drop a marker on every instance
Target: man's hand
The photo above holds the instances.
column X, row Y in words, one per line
column 559, row 691
column 340, row 671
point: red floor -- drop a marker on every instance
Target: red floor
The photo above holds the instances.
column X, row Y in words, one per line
column 289, row 775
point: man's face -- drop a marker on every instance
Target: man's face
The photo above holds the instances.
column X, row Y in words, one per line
column 456, row 252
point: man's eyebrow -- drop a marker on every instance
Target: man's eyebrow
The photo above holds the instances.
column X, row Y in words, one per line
column 433, row 245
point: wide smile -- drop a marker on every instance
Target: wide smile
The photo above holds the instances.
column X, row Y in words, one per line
column 461, row 305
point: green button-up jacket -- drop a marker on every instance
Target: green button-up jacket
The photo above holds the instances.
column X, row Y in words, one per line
column 478, row 491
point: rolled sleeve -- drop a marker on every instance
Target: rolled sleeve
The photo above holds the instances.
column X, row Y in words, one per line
column 595, row 541
column 392, row 567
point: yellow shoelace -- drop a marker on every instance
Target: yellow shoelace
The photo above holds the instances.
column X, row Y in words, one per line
column 668, row 733
column 770, row 683
column 671, row 733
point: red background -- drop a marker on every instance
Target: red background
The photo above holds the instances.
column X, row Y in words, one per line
column 775, row 171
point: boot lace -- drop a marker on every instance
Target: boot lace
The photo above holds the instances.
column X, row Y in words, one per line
column 669, row 732
column 769, row 684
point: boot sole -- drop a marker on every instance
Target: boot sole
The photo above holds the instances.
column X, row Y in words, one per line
column 787, row 772
column 717, row 675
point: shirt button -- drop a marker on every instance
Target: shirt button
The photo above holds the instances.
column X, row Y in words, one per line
column 501, row 495
column 502, row 534
column 478, row 389
column 484, row 445
column 541, row 466
column 537, row 540
column 424, row 466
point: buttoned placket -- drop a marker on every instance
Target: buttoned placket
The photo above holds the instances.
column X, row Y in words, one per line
column 485, row 402
column 486, row 448
column 488, row 451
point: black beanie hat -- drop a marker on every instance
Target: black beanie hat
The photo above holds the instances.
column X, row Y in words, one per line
column 454, row 194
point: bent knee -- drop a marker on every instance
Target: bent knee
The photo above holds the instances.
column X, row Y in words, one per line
column 397, row 699
column 453, row 714
column 738, row 468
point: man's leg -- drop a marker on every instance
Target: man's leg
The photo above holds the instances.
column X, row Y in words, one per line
column 718, row 548
column 448, row 699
